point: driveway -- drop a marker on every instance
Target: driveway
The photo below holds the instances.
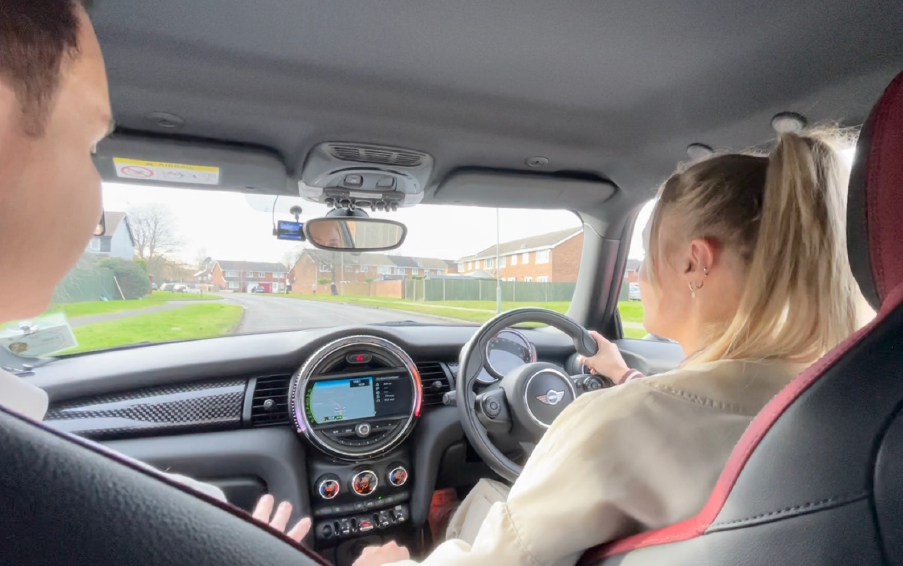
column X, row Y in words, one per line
column 268, row 314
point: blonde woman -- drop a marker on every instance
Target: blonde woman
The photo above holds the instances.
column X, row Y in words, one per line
column 746, row 268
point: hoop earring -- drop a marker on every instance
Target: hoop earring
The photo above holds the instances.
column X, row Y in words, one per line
column 695, row 287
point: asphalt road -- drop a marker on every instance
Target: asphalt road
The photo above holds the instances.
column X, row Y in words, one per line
column 270, row 314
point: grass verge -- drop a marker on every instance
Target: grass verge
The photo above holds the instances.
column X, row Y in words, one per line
column 185, row 323
column 88, row 308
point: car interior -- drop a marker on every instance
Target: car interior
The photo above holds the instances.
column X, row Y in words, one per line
column 374, row 107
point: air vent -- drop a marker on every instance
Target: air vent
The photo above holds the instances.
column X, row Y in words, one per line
column 377, row 155
column 269, row 406
column 435, row 382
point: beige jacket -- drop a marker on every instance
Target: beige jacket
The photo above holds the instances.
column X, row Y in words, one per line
column 635, row 457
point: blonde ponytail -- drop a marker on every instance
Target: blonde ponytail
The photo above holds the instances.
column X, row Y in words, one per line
column 785, row 215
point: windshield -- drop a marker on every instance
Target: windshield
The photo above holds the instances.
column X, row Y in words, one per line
column 179, row 264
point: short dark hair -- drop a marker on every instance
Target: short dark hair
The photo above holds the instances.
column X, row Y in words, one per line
column 34, row 37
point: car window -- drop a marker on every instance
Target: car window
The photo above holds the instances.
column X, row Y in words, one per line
column 177, row 264
column 630, row 306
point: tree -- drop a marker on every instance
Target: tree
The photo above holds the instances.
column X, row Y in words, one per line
column 132, row 280
column 154, row 231
column 202, row 260
column 290, row 258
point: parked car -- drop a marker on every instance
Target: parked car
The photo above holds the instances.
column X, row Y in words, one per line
column 633, row 292
column 258, row 289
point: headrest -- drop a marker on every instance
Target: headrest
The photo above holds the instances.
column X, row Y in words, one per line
column 875, row 204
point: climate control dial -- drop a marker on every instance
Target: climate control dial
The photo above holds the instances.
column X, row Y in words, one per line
column 328, row 486
column 398, row 476
column 364, row 483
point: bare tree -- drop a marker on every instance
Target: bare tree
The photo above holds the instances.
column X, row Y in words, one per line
column 290, row 258
column 202, row 260
column 154, row 230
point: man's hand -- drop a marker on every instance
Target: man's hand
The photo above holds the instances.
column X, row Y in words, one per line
column 280, row 519
column 379, row 555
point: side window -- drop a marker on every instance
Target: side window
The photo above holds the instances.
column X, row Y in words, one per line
column 630, row 304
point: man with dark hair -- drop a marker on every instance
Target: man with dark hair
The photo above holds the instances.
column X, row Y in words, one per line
column 54, row 109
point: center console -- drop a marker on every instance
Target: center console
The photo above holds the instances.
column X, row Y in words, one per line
column 352, row 500
column 356, row 400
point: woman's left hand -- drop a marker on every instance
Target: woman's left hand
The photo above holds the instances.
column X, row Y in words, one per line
column 280, row 519
column 379, row 555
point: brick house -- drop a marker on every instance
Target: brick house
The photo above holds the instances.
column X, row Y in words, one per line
column 313, row 265
column 553, row 257
column 244, row 276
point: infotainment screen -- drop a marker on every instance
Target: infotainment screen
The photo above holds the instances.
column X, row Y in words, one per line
column 358, row 398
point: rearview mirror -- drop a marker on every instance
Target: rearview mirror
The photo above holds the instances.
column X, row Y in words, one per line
column 357, row 234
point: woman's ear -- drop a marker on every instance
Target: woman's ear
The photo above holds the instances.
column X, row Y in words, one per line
column 701, row 258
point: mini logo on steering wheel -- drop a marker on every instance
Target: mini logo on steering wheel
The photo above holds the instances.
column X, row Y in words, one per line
column 551, row 398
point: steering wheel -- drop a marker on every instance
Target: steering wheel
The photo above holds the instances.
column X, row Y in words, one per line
column 514, row 412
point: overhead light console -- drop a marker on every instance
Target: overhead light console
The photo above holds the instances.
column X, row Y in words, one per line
column 355, row 175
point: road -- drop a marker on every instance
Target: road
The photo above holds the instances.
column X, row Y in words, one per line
column 270, row 314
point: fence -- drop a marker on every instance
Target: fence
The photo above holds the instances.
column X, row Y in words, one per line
column 485, row 290
column 389, row 289
column 86, row 285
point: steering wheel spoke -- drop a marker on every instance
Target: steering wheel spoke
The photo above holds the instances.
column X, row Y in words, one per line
column 492, row 410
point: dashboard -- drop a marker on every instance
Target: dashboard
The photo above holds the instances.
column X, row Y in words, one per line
column 347, row 424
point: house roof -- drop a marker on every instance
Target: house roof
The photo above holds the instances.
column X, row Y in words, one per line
column 432, row 263
column 373, row 259
column 542, row 241
column 227, row 265
column 112, row 219
column 404, row 261
column 633, row 264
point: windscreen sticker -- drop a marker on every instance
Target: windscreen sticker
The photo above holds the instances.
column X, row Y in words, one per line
column 170, row 172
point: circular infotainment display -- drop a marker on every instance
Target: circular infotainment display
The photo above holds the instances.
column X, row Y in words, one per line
column 357, row 397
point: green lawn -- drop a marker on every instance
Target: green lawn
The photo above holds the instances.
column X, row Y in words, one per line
column 87, row 308
column 475, row 311
column 185, row 323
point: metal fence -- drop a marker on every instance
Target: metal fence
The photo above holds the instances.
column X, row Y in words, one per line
column 485, row 290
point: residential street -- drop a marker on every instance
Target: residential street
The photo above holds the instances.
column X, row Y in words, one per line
column 267, row 314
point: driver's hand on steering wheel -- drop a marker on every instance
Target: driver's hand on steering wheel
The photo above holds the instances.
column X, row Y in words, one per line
column 379, row 555
column 607, row 361
column 279, row 520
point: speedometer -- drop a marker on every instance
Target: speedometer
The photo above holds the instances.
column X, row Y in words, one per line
column 507, row 350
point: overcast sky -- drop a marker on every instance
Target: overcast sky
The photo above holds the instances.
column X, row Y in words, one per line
column 236, row 226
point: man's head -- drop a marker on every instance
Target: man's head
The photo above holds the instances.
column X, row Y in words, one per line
column 54, row 109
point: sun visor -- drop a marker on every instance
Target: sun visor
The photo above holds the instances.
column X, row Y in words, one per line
column 131, row 159
column 505, row 189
